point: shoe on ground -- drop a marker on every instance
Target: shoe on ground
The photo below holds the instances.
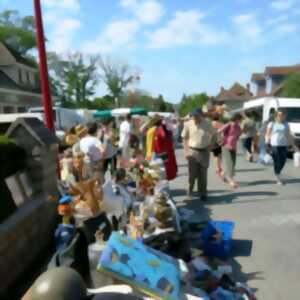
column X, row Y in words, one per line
column 278, row 180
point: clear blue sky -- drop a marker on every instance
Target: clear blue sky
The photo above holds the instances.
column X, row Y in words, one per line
column 179, row 46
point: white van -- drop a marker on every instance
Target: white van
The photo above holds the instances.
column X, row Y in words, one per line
column 64, row 118
column 290, row 106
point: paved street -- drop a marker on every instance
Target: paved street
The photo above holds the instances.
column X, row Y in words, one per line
column 267, row 217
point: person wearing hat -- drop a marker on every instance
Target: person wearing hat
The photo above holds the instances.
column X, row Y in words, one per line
column 198, row 137
column 80, row 132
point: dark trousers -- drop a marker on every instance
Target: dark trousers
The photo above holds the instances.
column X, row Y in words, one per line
column 198, row 173
column 112, row 162
column 247, row 144
column 279, row 155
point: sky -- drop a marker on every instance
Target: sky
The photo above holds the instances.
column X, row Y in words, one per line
column 177, row 46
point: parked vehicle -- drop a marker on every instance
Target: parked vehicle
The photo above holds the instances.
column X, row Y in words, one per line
column 64, row 118
column 290, row 106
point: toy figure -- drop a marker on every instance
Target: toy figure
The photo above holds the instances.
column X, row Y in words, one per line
column 162, row 210
column 90, row 191
column 66, row 165
column 147, row 184
column 65, row 209
column 79, row 168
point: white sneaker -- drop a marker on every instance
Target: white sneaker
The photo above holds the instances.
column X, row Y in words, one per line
column 278, row 180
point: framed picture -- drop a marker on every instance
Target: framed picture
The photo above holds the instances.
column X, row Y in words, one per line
column 20, row 187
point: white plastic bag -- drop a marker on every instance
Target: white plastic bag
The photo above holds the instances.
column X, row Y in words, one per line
column 268, row 160
column 297, row 159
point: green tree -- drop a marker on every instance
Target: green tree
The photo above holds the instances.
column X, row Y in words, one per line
column 117, row 76
column 102, row 103
column 291, row 86
column 75, row 78
column 17, row 32
column 189, row 103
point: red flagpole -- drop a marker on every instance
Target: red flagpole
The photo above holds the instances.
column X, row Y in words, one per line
column 43, row 66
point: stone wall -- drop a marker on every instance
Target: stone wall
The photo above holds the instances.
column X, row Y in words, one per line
column 23, row 237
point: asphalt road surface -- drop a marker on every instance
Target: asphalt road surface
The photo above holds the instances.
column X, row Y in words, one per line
column 267, row 217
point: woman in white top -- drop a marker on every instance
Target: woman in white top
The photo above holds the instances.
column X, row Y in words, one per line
column 277, row 137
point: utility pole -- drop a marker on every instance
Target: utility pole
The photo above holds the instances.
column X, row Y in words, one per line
column 43, row 66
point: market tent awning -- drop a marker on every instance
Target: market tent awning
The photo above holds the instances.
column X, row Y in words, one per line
column 102, row 114
column 128, row 111
column 120, row 112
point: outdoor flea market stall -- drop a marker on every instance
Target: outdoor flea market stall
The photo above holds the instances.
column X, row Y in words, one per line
column 121, row 232
column 128, row 237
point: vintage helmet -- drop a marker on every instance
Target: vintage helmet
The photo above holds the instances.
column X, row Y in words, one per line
column 60, row 284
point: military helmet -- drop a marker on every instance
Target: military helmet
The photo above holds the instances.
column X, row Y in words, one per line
column 60, row 284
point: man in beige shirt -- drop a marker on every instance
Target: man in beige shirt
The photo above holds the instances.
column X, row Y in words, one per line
column 198, row 136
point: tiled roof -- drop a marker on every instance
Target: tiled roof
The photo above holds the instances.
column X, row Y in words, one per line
column 237, row 92
column 285, row 70
column 258, row 77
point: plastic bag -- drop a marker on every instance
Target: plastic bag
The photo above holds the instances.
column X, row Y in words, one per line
column 297, row 159
column 268, row 160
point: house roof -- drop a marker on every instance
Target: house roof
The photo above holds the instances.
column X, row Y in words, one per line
column 283, row 70
column 258, row 77
column 237, row 92
column 21, row 58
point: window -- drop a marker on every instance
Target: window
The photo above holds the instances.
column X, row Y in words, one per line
column 20, row 75
column 28, row 77
column 21, row 109
column 8, row 109
column 292, row 114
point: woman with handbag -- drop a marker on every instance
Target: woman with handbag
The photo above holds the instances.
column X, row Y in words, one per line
column 278, row 139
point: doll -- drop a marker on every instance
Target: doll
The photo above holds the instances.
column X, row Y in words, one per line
column 66, row 165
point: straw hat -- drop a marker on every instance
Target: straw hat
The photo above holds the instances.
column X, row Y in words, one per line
column 153, row 121
column 80, row 130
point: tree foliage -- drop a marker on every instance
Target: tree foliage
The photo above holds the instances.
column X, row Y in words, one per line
column 117, row 76
column 18, row 32
column 189, row 103
column 75, row 78
column 291, row 86
column 141, row 98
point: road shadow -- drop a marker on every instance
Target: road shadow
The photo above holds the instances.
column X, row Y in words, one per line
column 292, row 181
column 178, row 193
column 229, row 198
column 217, row 191
column 243, row 277
column 257, row 182
column 250, row 170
